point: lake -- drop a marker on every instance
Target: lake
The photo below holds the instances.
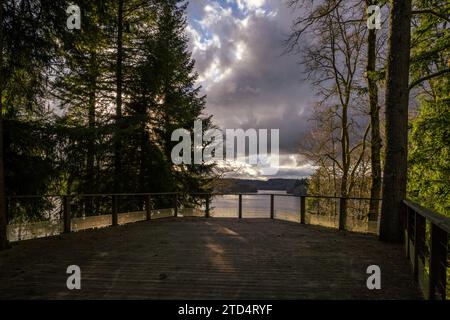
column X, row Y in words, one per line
column 257, row 206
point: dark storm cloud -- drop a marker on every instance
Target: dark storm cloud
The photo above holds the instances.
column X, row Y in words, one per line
column 248, row 81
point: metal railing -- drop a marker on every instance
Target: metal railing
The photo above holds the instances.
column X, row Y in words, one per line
column 39, row 216
column 67, row 213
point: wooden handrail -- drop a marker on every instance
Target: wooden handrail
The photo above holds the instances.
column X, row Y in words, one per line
column 212, row 194
column 415, row 228
column 437, row 219
column 116, row 196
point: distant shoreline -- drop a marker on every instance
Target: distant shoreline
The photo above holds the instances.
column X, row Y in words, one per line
column 289, row 186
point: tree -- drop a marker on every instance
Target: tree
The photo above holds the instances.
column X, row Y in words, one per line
column 81, row 88
column 3, row 222
column 180, row 103
column 28, row 47
column 429, row 166
column 57, row 89
column 374, row 110
column 119, row 87
column 333, row 62
column 397, row 101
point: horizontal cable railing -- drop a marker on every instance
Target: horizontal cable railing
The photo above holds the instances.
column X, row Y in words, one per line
column 46, row 215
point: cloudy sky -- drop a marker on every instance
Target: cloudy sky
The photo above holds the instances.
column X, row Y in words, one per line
column 249, row 82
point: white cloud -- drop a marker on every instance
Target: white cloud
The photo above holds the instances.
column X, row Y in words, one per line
column 249, row 5
column 249, row 83
column 199, row 44
column 219, row 38
column 241, row 50
column 289, row 168
column 215, row 73
column 214, row 13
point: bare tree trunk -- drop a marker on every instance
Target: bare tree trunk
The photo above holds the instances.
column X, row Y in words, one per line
column 90, row 163
column 397, row 99
column 335, row 185
column 3, row 222
column 345, row 166
column 375, row 189
column 336, row 56
column 144, row 154
column 119, row 84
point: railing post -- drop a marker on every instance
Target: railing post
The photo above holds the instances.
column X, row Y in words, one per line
column 176, row 205
column 115, row 216
column 407, row 231
column 7, row 208
column 272, row 206
column 342, row 213
column 419, row 243
column 240, row 206
column 438, row 263
column 302, row 209
column 66, row 214
column 207, row 206
column 147, row 207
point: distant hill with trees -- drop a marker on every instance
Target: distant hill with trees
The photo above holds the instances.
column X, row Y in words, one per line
column 292, row 186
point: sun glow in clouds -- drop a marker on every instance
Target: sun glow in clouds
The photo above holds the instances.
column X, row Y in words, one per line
column 235, row 44
column 209, row 147
column 241, row 49
column 214, row 74
column 249, row 5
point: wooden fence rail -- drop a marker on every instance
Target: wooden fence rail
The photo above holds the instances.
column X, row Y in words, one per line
column 422, row 224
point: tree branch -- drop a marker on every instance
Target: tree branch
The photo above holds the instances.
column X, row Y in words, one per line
column 302, row 24
column 334, row 160
column 428, row 77
column 434, row 13
column 361, row 156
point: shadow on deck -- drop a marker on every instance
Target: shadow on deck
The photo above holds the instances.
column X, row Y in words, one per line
column 197, row 258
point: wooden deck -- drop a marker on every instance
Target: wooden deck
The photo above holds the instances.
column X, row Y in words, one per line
column 196, row 258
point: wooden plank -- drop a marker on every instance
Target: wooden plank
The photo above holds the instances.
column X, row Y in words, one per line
column 419, row 243
column 407, row 232
column 438, row 264
column 198, row 258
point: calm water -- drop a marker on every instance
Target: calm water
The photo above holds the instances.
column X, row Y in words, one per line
column 257, row 206
column 323, row 212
